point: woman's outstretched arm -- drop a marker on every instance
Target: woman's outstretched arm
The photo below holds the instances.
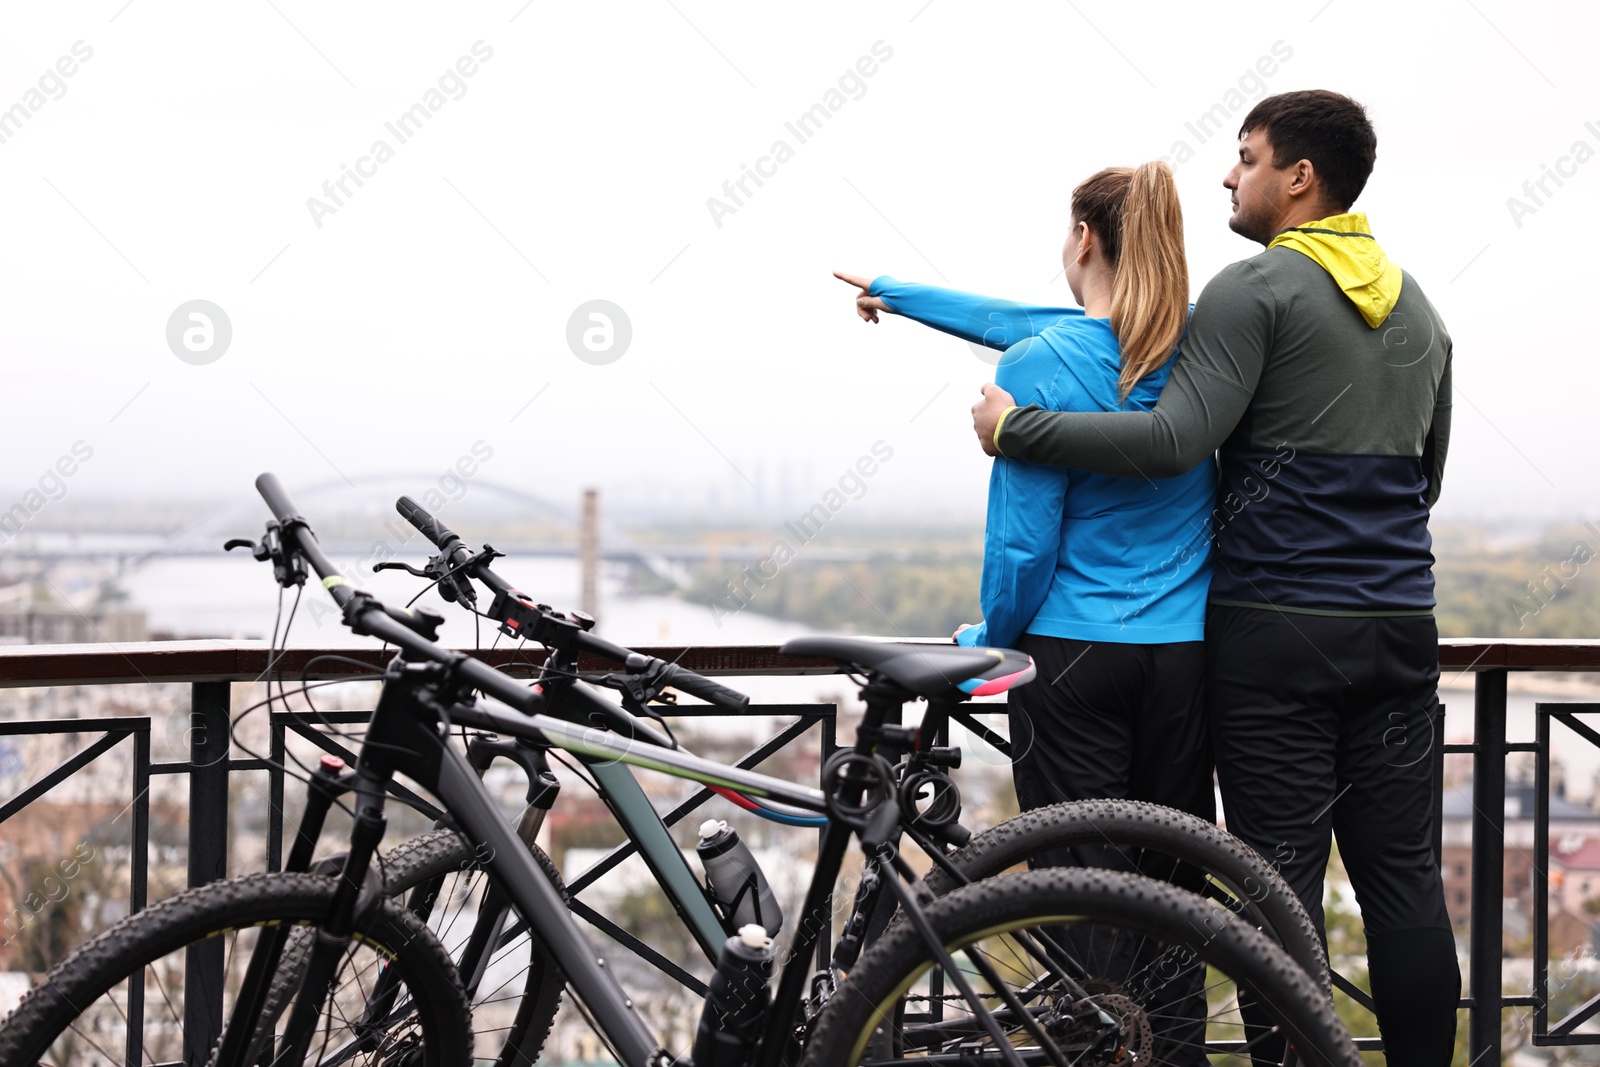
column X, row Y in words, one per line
column 985, row 320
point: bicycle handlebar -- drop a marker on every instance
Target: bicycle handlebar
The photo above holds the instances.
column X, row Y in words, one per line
column 374, row 617
column 390, row 625
column 277, row 499
column 700, row 686
column 443, row 538
column 450, row 544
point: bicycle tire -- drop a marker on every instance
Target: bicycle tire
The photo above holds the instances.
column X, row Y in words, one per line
column 441, row 852
column 195, row 916
column 1052, row 898
column 1259, row 894
column 414, row 863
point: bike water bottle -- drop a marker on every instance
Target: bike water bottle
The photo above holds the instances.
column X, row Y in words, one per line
column 737, row 1001
column 735, row 880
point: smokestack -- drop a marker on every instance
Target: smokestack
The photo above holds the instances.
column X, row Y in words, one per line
column 589, row 553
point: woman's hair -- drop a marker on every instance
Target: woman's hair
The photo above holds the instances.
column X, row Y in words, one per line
column 1135, row 213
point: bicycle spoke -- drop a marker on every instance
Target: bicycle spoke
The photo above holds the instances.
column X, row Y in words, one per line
column 128, row 1023
column 94, row 1044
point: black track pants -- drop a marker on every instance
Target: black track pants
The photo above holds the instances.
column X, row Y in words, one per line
column 1324, row 727
column 1126, row 722
column 1118, row 721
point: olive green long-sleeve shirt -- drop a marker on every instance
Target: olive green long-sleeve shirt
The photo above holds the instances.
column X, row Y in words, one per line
column 1332, row 438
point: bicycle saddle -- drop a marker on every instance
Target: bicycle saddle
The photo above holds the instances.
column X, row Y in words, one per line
column 937, row 672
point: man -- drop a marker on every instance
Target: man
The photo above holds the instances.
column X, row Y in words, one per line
column 1322, row 373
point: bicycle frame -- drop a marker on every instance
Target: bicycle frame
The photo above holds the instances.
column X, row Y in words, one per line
column 647, row 834
column 404, row 737
column 425, row 694
column 644, row 828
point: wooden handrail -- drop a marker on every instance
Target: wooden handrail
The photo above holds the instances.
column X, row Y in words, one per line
column 244, row 661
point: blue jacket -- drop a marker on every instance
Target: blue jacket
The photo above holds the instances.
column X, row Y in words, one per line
column 1068, row 553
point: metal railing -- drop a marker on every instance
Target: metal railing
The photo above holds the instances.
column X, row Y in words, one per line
column 209, row 667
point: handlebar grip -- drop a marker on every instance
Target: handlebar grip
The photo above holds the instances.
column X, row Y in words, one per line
column 441, row 535
column 277, row 498
column 712, row 692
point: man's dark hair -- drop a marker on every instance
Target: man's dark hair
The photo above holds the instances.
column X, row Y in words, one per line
column 1330, row 130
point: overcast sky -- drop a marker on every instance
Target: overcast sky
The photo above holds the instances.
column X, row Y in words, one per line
column 569, row 156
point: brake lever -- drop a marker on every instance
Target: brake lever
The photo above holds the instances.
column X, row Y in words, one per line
column 288, row 566
column 640, row 694
column 395, row 565
column 642, row 689
column 455, row 588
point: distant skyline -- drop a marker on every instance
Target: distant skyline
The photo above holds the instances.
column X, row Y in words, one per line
column 653, row 506
column 580, row 243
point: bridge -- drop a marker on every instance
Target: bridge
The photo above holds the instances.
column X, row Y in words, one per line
column 131, row 551
column 372, row 496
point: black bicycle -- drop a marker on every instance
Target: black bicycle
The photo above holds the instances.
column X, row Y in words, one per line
column 1058, row 967
column 516, row 992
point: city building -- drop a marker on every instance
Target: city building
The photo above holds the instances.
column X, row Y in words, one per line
column 30, row 616
column 1574, row 861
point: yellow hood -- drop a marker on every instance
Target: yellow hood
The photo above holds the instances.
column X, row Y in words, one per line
column 1343, row 247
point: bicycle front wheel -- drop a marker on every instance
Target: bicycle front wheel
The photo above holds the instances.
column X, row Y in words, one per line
column 518, row 988
column 124, row 998
column 1159, row 842
column 514, row 988
column 1170, row 978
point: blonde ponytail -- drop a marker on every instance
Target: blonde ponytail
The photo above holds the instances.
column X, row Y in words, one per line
column 1139, row 221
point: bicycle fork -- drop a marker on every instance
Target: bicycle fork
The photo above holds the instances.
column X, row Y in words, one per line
column 333, row 935
column 327, row 783
column 496, row 907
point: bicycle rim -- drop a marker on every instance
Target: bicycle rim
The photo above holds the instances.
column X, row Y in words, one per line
column 1170, row 979
column 158, row 987
column 518, row 989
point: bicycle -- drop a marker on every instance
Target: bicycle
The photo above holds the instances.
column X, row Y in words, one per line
column 436, row 870
column 1046, row 1014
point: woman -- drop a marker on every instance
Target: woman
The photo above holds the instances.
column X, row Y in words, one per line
column 1101, row 580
